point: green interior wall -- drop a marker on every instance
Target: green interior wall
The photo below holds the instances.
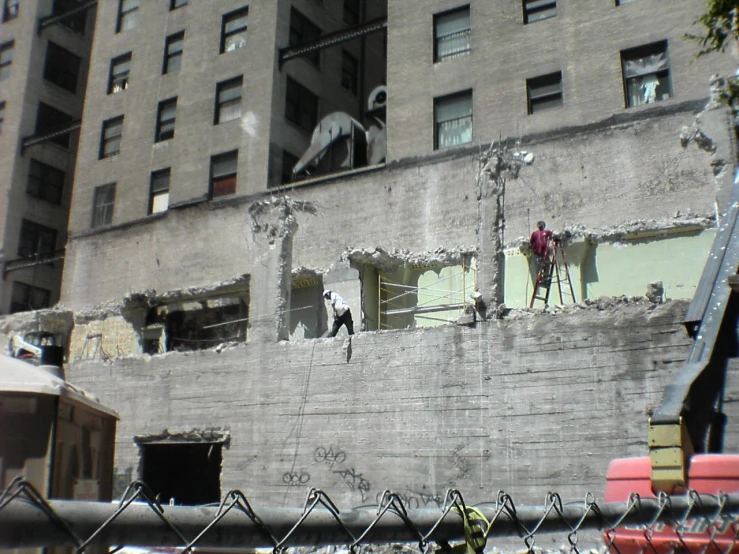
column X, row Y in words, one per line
column 436, row 287
column 616, row 269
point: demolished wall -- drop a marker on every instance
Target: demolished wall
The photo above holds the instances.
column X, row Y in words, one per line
column 529, row 404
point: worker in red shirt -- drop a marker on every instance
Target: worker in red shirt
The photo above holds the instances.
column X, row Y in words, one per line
column 540, row 245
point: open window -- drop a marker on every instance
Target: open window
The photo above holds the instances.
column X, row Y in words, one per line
column 183, row 473
column 197, row 324
column 307, row 306
column 451, row 33
column 646, row 74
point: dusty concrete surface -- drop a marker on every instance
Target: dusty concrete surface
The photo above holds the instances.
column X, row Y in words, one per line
column 508, row 404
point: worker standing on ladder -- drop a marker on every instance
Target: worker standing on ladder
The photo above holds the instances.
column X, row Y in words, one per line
column 540, row 246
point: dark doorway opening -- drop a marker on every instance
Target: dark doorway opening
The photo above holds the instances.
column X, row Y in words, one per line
column 185, row 474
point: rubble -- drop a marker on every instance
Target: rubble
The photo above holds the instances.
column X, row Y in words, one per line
column 396, row 259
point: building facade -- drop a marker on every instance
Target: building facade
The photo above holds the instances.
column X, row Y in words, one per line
column 45, row 55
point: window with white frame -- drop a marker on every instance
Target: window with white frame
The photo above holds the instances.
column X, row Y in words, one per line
column 159, row 193
column 545, row 92
column 233, row 30
column 223, row 174
column 536, row 10
column 646, row 74
column 451, row 33
column 120, row 68
column 228, row 100
column 127, row 14
column 110, row 137
column 173, row 52
column 166, row 115
column 103, row 204
column 453, row 120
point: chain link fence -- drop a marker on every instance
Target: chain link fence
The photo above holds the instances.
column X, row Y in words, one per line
column 694, row 523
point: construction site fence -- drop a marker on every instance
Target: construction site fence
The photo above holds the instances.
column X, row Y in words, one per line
column 691, row 523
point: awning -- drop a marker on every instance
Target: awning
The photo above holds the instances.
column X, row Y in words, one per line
column 21, row 377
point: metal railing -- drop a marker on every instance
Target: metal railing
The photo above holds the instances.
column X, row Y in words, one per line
column 28, row 520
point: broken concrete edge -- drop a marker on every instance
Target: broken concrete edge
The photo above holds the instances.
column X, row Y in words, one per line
column 390, row 261
column 222, row 436
column 640, row 229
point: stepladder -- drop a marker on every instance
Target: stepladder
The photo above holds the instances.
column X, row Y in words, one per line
column 553, row 271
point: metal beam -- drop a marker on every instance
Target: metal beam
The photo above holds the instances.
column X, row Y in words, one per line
column 25, row 263
column 30, row 523
column 332, row 39
column 53, row 19
column 33, row 140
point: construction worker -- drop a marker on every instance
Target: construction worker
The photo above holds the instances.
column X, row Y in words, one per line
column 342, row 313
column 540, row 244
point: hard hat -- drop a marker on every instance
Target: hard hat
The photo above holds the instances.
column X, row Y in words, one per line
column 326, row 293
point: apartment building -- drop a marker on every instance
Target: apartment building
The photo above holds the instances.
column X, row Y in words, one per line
column 45, row 49
column 191, row 230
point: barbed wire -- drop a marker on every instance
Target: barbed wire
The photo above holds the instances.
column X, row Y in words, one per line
column 694, row 523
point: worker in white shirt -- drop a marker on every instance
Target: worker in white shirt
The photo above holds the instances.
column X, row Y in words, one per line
column 342, row 313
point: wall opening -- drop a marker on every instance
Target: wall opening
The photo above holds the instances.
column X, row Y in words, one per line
column 307, row 308
column 418, row 295
column 187, row 474
column 195, row 325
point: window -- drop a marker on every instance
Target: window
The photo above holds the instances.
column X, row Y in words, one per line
column 228, row 100
column 174, row 4
column 110, row 138
column 25, row 297
column 544, row 92
column 288, row 163
column 2, row 115
column 49, row 120
column 165, row 120
column 120, row 67
column 75, row 23
column 301, row 106
column 223, row 174
column 646, row 74
column 62, row 67
column 349, row 72
column 451, row 33
column 453, row 120
column 103, row 203
column 536, row 10
column 233, row 30
column 186, row 473
column 36, row 240
column 303, row 30
column 127, row 11
column 6, row 59
column 45, row 182
column 159, row 192
column 173, row 52
column 351, row 12
column 11, row 9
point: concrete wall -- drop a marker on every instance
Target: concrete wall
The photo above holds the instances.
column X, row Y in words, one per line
column 529, row 405
column 417, row 207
